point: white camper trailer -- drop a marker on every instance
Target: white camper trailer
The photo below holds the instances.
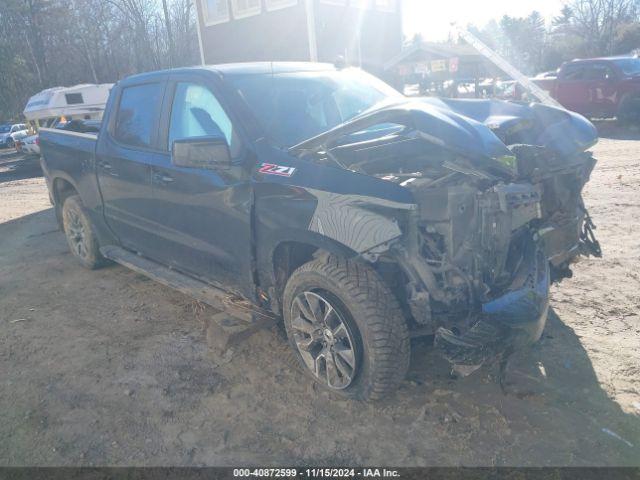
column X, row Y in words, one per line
column 86, row 101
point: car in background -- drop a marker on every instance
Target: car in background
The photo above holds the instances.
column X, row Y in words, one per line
column 18, row 138
column 598, row 88
column 549, row 74
column 30, row 145
column 9, row 133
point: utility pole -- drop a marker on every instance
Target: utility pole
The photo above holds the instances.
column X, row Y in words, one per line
column 200, row 47
column 167, row 22
column 311, row 30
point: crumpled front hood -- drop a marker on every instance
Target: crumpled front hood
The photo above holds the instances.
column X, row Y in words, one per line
column 455, row 131
column 471, row 127
column 436, row 123
column 562, row 131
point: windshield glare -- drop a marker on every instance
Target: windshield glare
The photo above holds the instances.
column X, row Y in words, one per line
column 293, row 107
column 630, row 66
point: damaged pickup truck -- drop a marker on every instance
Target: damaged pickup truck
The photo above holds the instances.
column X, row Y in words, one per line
column 324, row 197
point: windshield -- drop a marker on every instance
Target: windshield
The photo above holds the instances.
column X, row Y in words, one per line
column 293, row 107
column 630, row 66
column 5, row 128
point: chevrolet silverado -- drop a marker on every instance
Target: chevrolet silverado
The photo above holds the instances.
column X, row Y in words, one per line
column 323, row 197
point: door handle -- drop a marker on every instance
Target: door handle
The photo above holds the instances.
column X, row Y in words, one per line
column 162, row 178
column 107, row 167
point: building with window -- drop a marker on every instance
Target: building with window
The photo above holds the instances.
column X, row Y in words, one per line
column 366, row 33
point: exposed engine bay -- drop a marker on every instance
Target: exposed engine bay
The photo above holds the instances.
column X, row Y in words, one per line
column 499, row 213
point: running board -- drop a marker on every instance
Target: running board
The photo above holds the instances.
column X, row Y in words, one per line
column 217, row 298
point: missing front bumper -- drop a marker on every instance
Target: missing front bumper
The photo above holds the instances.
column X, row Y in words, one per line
column 507, row 323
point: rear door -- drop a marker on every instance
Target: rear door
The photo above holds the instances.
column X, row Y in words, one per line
column 203, row 215
column 126, row 150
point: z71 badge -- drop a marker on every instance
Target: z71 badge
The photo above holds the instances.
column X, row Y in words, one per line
column 280, row 170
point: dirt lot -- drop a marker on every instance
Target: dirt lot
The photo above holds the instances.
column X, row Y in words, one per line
column 108, row 368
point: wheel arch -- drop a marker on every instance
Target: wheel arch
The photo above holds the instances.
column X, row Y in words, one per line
column 290, row 254
column 61, row 189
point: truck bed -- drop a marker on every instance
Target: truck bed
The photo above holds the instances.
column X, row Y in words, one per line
column 65, row 145
column 70, row 157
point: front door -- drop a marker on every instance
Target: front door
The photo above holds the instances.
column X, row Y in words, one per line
column 602, row 83
column 573, row 92
column 203, row 215
column 123, row 164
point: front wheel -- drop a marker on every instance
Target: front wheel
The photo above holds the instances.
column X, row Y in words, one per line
column 10, row 142
column 346, row 328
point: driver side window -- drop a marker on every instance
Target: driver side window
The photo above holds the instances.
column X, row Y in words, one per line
column 196, row 112
column 575, row 72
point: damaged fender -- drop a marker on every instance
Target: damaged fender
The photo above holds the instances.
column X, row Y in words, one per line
column 349, row 220
column 336, row 210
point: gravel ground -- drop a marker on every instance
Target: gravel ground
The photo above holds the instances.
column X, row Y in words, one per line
column 109, row 368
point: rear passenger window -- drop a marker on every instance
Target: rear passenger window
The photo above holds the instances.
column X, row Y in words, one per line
column 598, row 72
column 138, row 114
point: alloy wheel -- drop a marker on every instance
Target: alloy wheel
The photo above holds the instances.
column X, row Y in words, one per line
column 77, row 235
column 324, row 340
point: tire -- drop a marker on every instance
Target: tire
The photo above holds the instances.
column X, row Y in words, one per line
column 80, row 234
column 629, row 111
column 10, row 142
column 346, row 328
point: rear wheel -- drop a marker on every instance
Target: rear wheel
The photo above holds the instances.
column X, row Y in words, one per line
column 629, row 111
column 80, row 233
column 346, row 328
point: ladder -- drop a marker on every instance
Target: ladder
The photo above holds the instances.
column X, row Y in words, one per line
column 506, row 67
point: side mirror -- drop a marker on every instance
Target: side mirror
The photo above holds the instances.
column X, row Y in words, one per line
column 201, row 152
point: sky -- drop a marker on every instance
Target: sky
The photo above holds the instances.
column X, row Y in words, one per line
column 433, row 18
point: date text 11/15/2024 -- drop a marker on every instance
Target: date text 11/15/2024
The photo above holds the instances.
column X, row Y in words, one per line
column 316, row 473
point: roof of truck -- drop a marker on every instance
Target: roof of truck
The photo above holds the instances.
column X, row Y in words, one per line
column 249, row 68
column 269, row 67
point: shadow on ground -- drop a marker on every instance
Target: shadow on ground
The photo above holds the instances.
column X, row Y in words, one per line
column 14, row 166
column 554, row 407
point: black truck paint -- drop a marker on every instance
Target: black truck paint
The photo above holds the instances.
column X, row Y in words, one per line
column 467, row 210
